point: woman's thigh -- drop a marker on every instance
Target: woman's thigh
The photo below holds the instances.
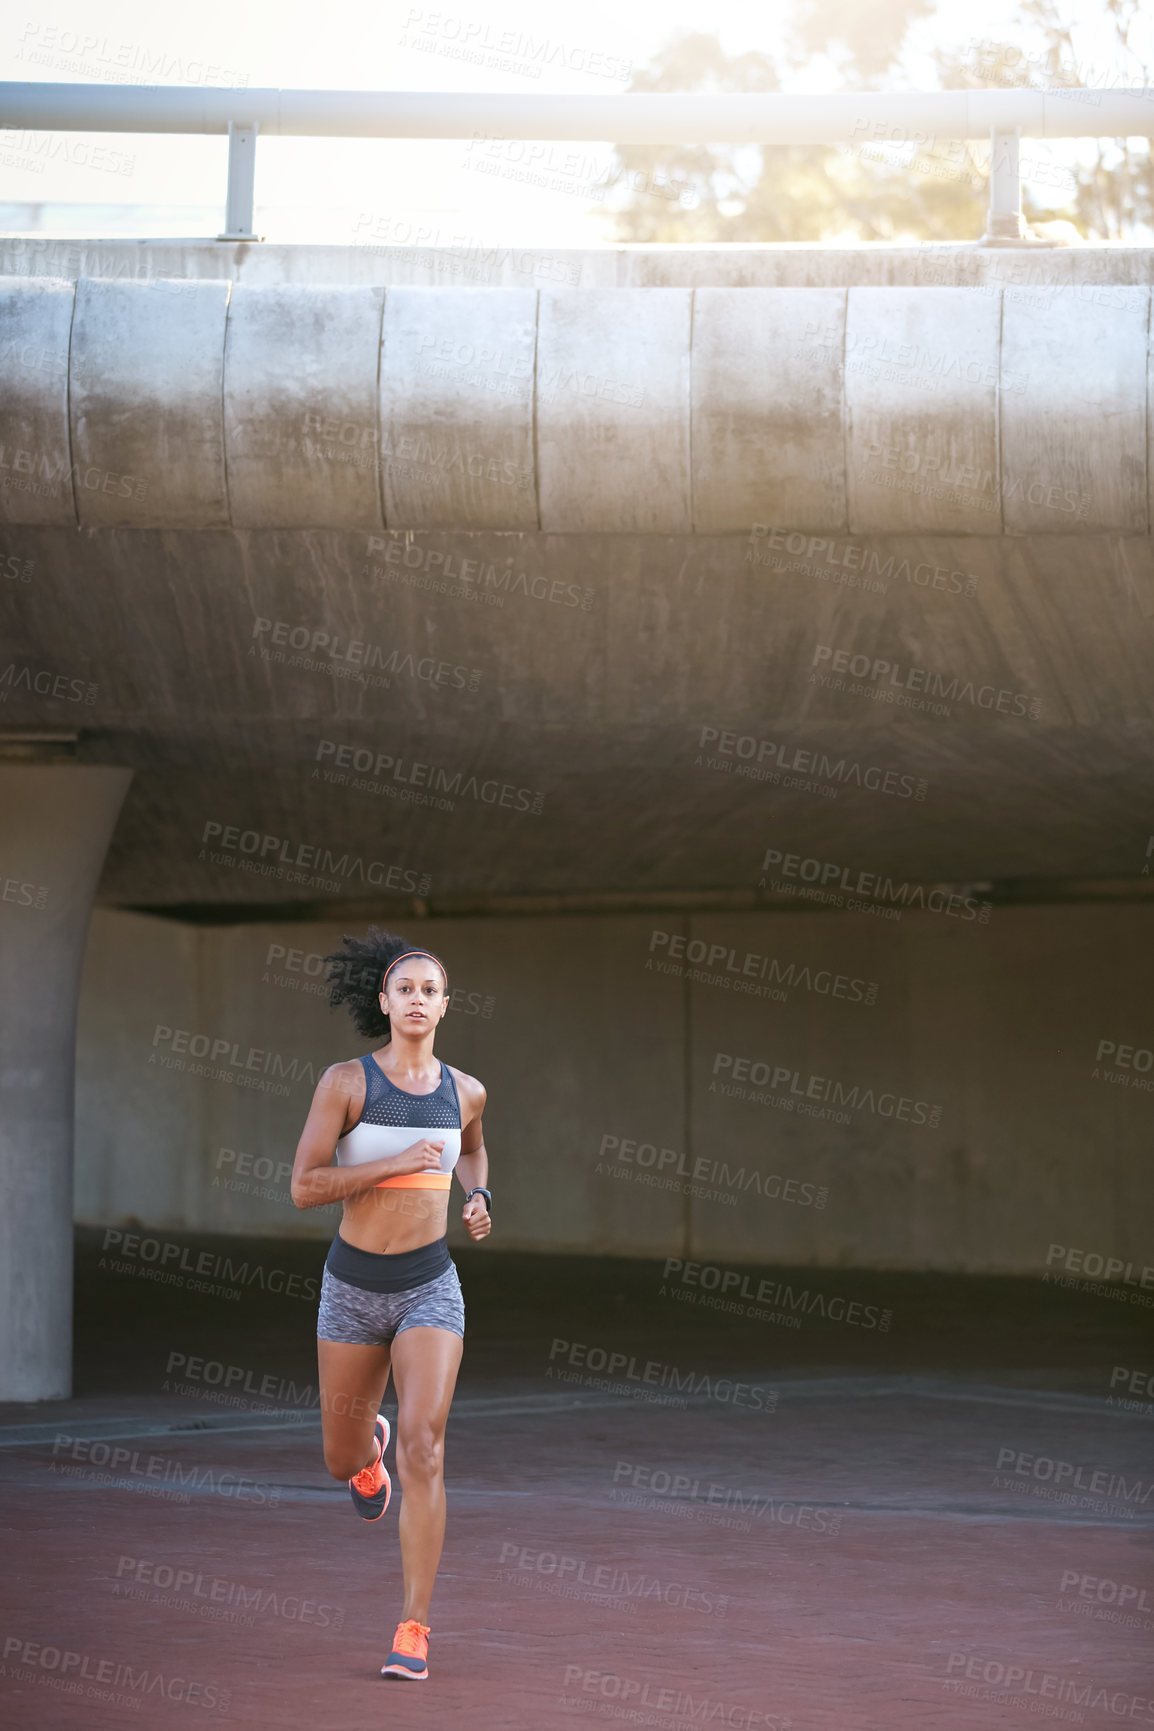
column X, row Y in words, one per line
column 352, row 1380
column 425, row 1362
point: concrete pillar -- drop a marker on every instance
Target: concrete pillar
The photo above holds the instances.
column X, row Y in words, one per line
column 56, row 821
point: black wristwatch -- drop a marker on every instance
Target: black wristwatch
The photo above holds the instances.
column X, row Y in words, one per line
column 481, row 1191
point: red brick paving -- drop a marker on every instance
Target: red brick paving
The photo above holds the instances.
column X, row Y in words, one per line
column 882, row 1557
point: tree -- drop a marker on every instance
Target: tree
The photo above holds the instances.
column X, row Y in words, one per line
column 747, row 193
column 886, row 190
column 1112, row 185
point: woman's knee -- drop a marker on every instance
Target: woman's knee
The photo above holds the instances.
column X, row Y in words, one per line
column 420, row 1450
column 343, row 1458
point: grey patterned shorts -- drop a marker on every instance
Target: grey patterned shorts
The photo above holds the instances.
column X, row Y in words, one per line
column 358, row 1318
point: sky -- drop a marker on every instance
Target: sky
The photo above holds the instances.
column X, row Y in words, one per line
column 321, row 189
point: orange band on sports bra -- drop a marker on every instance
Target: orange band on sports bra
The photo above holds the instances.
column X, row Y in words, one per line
column 417, row 1181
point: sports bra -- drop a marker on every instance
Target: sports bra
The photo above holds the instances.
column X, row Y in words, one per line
column 392, row 1120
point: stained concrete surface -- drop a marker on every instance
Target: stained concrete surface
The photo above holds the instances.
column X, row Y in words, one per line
column 984, row 1119
column 874, row 1556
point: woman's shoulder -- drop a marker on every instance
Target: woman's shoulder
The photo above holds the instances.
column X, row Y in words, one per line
column 346, row 1075
column 471, row 1091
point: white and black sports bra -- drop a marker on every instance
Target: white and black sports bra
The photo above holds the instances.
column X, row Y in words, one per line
column 392, row 1120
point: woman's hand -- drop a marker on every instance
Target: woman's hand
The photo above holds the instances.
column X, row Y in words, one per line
column 476, row 1217
column 423, row 1156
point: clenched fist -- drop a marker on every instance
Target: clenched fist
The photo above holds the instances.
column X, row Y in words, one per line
column 476, row 1217
column 423, row 1156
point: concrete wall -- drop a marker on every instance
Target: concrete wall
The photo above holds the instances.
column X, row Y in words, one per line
column 582, row 1029
column 877, row 409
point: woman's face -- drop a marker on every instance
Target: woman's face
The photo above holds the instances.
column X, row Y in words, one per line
column 415, row 998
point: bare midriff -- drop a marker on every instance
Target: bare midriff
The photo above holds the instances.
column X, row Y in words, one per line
column 389, row 1220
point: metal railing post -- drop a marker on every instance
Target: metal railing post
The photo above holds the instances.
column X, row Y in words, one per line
column 1004, row 226
column 238, row 207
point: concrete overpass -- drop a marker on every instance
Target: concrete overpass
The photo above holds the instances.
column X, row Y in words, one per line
column 671, row 586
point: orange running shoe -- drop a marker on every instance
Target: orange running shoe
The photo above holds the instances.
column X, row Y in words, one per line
column 410, row 1655
column 372, row 1487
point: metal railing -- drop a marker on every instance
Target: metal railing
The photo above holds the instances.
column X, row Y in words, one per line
column 871, row 118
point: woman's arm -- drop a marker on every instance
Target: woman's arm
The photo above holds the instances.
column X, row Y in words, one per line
column 315, row 1179
column 473, row 1165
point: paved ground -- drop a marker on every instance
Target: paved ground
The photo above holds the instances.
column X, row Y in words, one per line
column 946, row 1524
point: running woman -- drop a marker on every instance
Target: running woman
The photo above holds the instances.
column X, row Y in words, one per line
column 399, row 1123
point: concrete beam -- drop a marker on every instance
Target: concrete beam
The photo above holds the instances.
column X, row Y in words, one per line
column 872, row 410
column 146, row 404
column 301, row 439
column 35, row 444
column 456, row 408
